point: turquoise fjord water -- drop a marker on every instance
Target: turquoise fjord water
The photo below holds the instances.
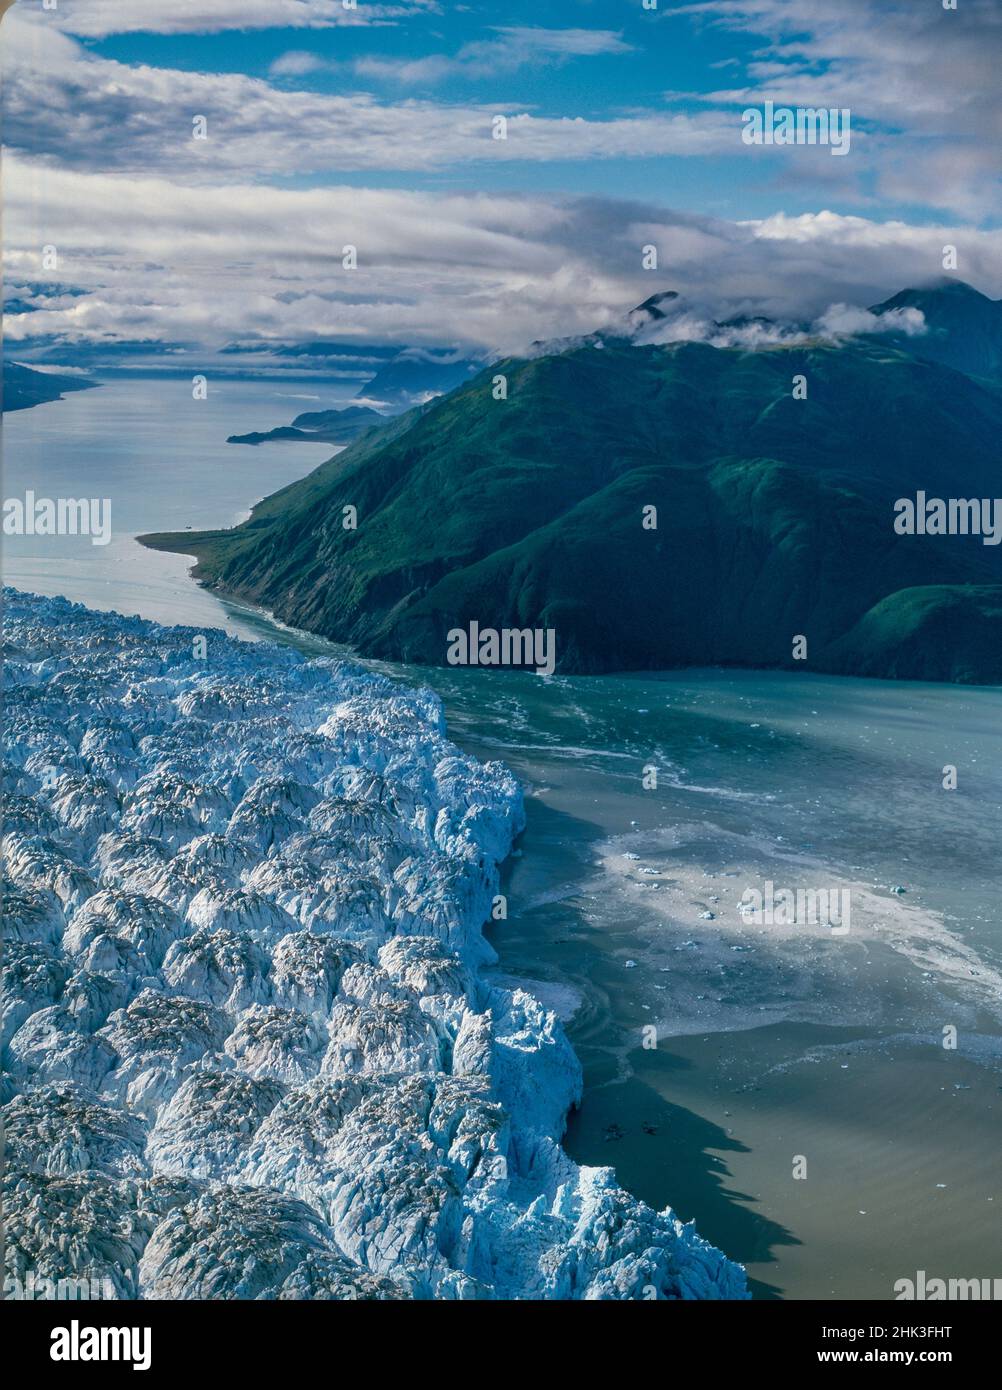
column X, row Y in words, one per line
column 721, row 1057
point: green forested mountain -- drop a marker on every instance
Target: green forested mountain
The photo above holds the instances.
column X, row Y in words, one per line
column 775, row 515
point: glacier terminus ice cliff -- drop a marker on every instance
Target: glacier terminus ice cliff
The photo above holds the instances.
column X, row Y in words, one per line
column 249, row 1049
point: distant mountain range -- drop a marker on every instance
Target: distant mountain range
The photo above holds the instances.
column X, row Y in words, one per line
column 775, row 515
column 403, row 376
column 417, row 374
column 318, row 426
column 412, row 376
column 24, row 387
column 385, row 379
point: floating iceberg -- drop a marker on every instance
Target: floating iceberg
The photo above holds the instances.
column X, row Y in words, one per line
column 249, row 1049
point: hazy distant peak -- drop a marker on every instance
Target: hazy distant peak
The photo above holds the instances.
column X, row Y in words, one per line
column 653, row 307
column 943, row 290
column 964, row 326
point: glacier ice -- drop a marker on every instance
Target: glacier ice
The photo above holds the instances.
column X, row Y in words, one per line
column 250, row 1052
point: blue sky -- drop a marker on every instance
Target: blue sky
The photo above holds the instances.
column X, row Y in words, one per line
column 619, row 59
column 329, row 126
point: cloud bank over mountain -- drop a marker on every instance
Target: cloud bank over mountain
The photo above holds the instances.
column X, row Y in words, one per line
column 374, row 129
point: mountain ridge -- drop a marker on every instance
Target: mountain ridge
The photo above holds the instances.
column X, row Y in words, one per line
column 774, row 515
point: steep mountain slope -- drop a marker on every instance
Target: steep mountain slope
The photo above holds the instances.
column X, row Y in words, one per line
column 775, row 515
column 964, row 328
